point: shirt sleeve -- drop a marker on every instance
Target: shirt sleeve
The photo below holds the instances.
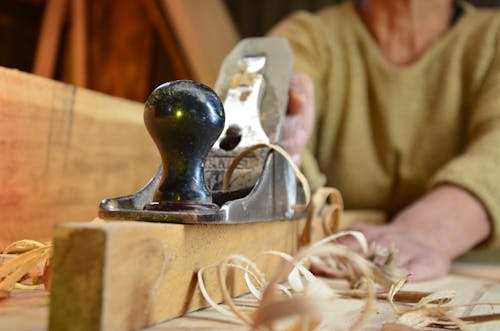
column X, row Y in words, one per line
column 477, row 169
column 304, row 32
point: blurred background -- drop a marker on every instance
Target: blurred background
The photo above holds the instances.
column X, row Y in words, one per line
column 127, row 47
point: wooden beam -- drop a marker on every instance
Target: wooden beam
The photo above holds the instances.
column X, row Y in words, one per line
column 79, row 42
column 206, row 33
column 129, row 275
column 49, row 39
column 63, row 149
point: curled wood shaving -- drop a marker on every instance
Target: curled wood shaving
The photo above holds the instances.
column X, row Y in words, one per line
column 297, row 274
column 22, row 246
column 330, row 213
column 302, row 179
column 27, row 269
column 434, row 310
column 324, row 298
column 312, row 310
column 25, row 264
column 252, row 275
column 383, row 257
column 306, row 301
column 339, row 268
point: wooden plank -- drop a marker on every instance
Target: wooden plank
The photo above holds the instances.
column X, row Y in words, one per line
column 129, row 275
column 62, row 150
column 469, row 290
column 27, row 310
column 79, row 42
column 205, row 32
column 49, row 39
column 491, row 293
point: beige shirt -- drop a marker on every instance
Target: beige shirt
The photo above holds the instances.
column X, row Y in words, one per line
column 386, row 134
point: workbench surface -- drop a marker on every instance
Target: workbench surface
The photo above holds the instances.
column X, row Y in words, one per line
column 28, row 310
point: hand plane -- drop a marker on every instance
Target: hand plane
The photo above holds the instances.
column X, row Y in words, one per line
column 199, row 132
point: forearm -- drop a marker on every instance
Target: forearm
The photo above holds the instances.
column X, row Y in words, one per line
column 448, row 218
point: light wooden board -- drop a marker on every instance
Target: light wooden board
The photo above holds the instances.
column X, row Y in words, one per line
column 62, row 150
column 135, row 259
column 129, row 275
column 54, row 17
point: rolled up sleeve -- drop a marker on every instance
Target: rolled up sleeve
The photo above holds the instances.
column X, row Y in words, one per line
column 477, row 169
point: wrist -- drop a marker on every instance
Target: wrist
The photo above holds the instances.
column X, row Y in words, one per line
column 448, row 219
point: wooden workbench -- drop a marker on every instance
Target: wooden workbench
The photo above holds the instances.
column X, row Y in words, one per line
column 28, row 310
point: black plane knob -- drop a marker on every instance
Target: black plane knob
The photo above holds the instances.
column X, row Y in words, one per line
column 184, row 118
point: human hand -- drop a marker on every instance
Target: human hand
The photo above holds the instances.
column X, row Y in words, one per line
column 418, row 259
column 299, row 120
column 441, row 225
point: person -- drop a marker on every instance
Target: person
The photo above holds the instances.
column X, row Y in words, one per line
column 397, row 104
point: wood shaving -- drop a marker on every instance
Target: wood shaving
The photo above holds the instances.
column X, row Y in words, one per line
column 308, row 302
column 27, row 268
column 330, row 213
column 305, row 301
column 302, row 179
column 22, row 246
column 25, row 264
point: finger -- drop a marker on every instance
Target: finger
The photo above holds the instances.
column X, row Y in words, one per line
column 374, row 235
column 297, row 102
column 371, row 232
column 351, row 242
column 422, row 268
column 300, row 93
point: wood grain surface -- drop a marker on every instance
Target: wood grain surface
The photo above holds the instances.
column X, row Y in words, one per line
column 129, row 275
column 62, row 150
column 28, row 310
